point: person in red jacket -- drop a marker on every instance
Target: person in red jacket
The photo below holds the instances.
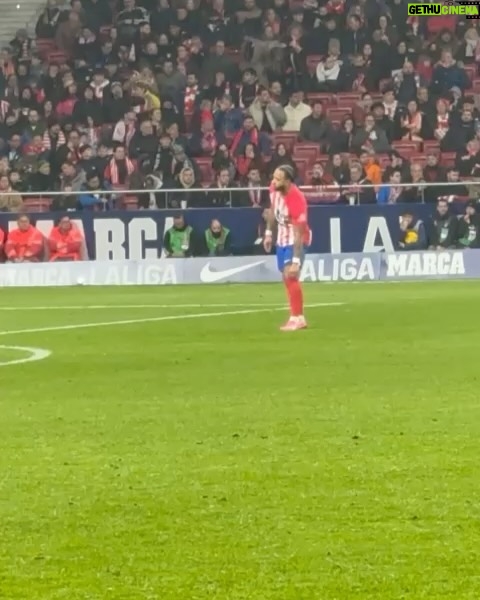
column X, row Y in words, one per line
column 25, row 244
column 66, row 242
column 2, row 242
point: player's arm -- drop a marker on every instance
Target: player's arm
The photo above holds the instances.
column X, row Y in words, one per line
column 268, row 237
column 298, row 213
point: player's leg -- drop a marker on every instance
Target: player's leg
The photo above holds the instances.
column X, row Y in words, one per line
column 294, row 291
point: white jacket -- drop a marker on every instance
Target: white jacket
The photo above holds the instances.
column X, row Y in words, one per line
column 295, row 116
column 324, row 74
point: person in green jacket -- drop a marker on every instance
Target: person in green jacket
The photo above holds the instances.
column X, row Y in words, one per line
column 179, row 239
column 217, row 240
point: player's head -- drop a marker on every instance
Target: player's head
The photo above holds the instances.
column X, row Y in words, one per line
column 283, row 177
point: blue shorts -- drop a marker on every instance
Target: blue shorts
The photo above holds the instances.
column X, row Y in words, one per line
column 285, row 256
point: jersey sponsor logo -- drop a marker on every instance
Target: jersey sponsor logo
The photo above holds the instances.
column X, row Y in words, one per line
column 209, row 276
column 433, row 264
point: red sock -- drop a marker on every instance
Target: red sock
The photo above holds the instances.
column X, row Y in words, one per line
column 295, row 296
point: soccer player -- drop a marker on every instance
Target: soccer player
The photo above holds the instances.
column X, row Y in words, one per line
column 289, row 209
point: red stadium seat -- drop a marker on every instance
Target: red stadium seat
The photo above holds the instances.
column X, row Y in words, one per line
column 476, row 86
column 287, row 138
column 326, row 99
column 448, row 159
column 349, row 97
column 309, row 151
column 129, row 203
column 338, row 114
column 406, row 147
column 37, row 204
column 205, row 166
column 431, row 146
column 57, row 57
column 45, row 47
column 418, row 158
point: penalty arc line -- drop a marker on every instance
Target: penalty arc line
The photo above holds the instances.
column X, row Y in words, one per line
column 158, row 319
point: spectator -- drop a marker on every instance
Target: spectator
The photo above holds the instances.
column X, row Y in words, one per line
column 327, row 73
column 67, row 32
column 338, row 168
column 249, row 134
column 433, row 172
column 179, row 240
column 392, row 193
column 466, row 160
column 120, row 168
column 254, row 197
column 324, row 187
column 217, row 62
column 267, row 115
column 456, row 192
column 144, row 143
column 227, row 119
column 90, row 196
column 415, row 192
column 217, row 240
column 371, row 167
column 382, row 121
column 354, row 192
column 280, row 157
column 24, row 244
column 71, row 178
column 66, row 242
column 370, row 137
column 341, row 139
column 186, row 194
column 468, row 228
column 295, row 111
column 412, row 233
column 459, row 133
column 206, row 142
column 223, row 160
column 128, row 21
column 443, row 228
column 316, row 127
column 447, row 74
column 251, row 159
column 412, row 123
column 10, row 201
column 219, row 193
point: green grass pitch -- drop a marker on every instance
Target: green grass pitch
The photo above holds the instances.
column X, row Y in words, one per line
column 214, row 458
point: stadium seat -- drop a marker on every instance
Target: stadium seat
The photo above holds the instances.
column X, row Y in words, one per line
column 406, row 147
column 338, row 114
column 285, row 137
column 37, row 204
column 57, row 57
column 431, row 146
column 326, row 99
column 448, row 159
column 313, row 60
column 418, row 158
column 205, row 167
column 308, row 151
column 476, row 86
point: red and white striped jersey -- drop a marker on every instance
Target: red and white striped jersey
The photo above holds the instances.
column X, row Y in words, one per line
column 289, row 210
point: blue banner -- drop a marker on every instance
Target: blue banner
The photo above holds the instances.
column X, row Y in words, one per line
column 139, row 234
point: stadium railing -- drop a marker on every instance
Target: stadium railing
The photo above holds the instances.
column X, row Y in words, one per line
column 237, row 197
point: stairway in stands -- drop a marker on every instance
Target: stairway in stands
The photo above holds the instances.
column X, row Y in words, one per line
column 13, row 18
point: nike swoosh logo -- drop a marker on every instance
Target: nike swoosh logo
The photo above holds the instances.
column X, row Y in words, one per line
column 209, row 276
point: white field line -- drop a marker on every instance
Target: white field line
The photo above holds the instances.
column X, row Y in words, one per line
column 157, row 319
column 134, row 306
column 34, row 354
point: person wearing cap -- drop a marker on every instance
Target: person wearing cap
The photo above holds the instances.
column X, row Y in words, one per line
column 468, row 227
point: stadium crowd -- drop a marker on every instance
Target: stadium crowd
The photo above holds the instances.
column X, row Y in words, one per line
column 198, row 96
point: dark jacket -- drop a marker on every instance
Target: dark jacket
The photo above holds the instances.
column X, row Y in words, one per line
column 468, row 232
column 442, row 230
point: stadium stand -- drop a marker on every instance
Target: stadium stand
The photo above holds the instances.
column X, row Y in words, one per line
column 164, row 94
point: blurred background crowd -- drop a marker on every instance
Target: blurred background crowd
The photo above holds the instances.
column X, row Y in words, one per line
column 201, row 96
